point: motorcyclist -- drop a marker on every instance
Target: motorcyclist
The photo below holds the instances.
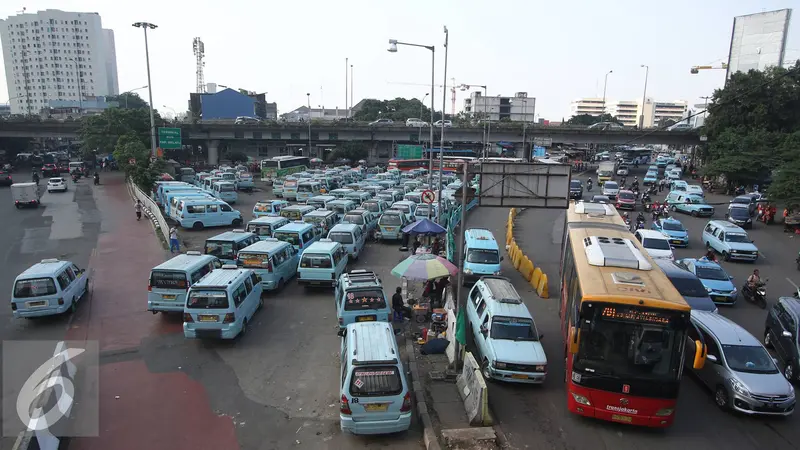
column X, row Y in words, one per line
column 589, row 184
column 753, row 280
column 640, row 218
column 36, row 177
column 710, row 256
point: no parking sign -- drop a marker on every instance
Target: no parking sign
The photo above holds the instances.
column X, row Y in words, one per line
column 428, row 197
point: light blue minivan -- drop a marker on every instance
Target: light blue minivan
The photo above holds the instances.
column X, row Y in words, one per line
column 274, row 261
column 269, row 207
column 298, row 233
column 170, row 281
column 375, row 394
column 198, row 213
column 48, row 288
column 320, row 201
column 360, row 297
column 322, row 218
column 264, row 227
column 341, row 207
column 351, row 237
column 390, row 225
column 729, row 240
column 165, row 190
column 162, row 186
column 322, row 263
column 482, row 254
column 174, row 198
column 226, row 246
column 225, row 191
column 222, row 304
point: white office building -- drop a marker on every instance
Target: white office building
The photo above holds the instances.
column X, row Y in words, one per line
column 55, row 57
column 629, row 111
column 591, row 106
column 519, row 108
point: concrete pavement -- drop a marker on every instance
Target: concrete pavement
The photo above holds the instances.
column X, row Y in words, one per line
column 536, row 417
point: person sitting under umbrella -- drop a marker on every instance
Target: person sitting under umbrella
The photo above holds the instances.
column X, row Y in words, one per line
column 436, row 247
column 397, row 303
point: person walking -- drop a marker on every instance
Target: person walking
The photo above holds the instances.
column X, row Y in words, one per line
column 174, row 245
column 138, row 209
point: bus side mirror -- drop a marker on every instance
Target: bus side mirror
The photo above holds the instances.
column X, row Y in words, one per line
column 700, row 355
column 574, row 336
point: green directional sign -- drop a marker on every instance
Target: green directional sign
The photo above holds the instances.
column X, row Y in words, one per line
column 409, row 152
column 169, row 138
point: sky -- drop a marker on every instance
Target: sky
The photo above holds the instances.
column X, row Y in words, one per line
column 554, row 51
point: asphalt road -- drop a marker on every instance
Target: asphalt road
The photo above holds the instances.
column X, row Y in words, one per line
column 65, row 226
column 537, row 417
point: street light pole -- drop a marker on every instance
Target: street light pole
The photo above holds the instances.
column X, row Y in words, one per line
column 126, row 93
column 351, row 89
column 346, row 109
column 644, row 96
column 441, row 141
column 605, row 84
column 524, row 126
column 308, row 95
column 393, row 43
column 144, row 26
column 421, row 104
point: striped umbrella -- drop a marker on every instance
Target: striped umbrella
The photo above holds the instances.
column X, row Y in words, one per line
column 424, row 267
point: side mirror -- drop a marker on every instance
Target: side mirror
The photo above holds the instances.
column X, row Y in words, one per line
column 712, row 358
column 342, row 332
column 484, row 330
column 502, row 258
column 574, row 336
column 786, row 334
column 699, row 355
column 541, row 336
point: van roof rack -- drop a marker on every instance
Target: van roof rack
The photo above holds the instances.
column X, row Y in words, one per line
column 50, row 260
column 194, row 253
column 230, row 267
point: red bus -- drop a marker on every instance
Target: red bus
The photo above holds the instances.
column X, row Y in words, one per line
column 625, row 326
column 450, row 164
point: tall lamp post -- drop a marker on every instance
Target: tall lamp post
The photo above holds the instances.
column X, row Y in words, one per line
column 393, row 43
column 346, row 109
column 308, row 95
column 421, row 104
column 126, row 94
column 441, row 141
column 644, row 96
column 605, row 85
column 144, row 26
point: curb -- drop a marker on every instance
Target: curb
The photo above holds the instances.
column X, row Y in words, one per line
column 428, row 433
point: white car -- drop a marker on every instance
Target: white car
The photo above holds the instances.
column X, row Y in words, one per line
column 655, row 243
column 611, row 189
column 416, row 123
column 447, row 124
column 56, row 184
column 622, row 171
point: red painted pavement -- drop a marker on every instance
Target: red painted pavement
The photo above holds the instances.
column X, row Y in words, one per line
column 154, row 410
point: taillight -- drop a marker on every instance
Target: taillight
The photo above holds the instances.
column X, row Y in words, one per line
column 344, row 406
column 341, row 321
column 149, row 287
column 14, row 307
column 187, row 317
column 333, row 276
column 406, row 403
column 229, row 318
column 60, row 301
column 269, row 266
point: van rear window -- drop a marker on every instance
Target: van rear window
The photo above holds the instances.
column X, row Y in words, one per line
column 254, row 260
column 168, row 280
column 375, row 381
column 316, row 261
column 342, row 238
column 220, row 249
column 207, row 300
column 364, row 300
column 34, row 287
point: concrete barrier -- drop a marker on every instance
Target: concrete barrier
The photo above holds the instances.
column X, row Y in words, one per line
column 541, row 288
column 473, row 391
column 522, row 262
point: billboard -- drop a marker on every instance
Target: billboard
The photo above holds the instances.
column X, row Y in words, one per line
column 758, row 41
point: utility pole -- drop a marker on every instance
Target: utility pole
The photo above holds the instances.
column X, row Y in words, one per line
column 441, row 144
column 460, row 249
column 347, row 110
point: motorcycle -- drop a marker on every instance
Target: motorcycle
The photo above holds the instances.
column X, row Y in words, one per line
column 628, row 222
column 96, row 179
column 36, row 178
column 75, row 178
column 758, row 296
column 739, row 190
column 646, row 207
column 589, row 186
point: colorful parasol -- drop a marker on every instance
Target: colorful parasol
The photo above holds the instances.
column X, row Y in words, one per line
column 424, row 267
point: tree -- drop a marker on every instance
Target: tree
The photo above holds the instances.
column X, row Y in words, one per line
column 786, row 184
column 143, row 171
column 353, row 151
column 588, row 119
column 13, row 145
column 101, row 132
column 129, row 100
column 398, row 110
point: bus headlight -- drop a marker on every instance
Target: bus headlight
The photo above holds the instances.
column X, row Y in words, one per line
column 581, row 399
column 468, row 271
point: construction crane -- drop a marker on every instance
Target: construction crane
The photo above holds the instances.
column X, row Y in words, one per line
column 452, row 91
column 697, row 69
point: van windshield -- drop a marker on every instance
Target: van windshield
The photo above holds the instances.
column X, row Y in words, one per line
column 220, row 249
column 254, row 260
column 316, row 261
column 375, row 381
column 212, row 299
column 163, row 279
column 34, row 287
column 740, row 238
column 226, row 188
column 364, row 300
column 305, row 188
column 288, row 236
column 480, row 256
column 405, row 208
column 341, row 237
column 316, row 203
column 338, row 209
column 514, row 329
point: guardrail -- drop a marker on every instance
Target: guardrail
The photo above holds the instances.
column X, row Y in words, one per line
column 150, row 208
column 522, row 262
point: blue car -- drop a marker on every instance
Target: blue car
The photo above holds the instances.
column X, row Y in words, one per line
column 674, row 230
column 717, row 282
column 650, row 178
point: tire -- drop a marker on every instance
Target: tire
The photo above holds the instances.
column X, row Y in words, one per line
column 788, row 371
column 197, row 226
column 721, row 398
column 694, row 214
column 17, row 205
column 244, row 328
column 708, row 245
column 485, row 370
column 236, row 222
column 280, row 285
column 767, row 339
column 726, row 256
column 74, row 306
column 260, row 302
column 673, row 208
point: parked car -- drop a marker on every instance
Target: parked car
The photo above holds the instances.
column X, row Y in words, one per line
column 381, row 123
column 717, row 282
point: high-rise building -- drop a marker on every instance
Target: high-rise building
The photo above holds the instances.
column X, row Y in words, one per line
column 628, row 111
column 519, row 108
column 57, row 57
column 590, row 106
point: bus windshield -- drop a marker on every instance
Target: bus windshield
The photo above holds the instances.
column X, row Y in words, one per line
column 630, row 342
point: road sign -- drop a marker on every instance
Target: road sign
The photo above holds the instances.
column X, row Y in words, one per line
column 542, row 142
column 428, row 197
column 132, row 161
column 409, row 152
column 169, row 138
column 703, row 138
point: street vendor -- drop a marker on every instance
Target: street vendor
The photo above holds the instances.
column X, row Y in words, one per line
column 436, row 247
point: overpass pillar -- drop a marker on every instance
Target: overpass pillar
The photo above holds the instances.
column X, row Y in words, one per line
column 213, row 152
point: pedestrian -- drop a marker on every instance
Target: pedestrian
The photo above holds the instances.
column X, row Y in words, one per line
column 436, row 247
column 415, row 246
column 174, row 245
column 772, row 211
column 138, row 209
column 399, row 307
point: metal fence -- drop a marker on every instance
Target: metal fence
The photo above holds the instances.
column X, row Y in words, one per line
column 452, row 223
column 150, row 208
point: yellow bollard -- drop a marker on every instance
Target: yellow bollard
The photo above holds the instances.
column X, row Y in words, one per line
column 533, row 282
column 509, row 237
column 518, row 260
column 526, row 269
column 537, row 275
column 531, row 264
column 542, row 288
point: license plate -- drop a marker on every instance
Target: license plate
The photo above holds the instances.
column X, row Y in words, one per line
column 365, row 319
column 207, row 318
column 519, row 376
column 389, row 229
column 168, row 297
column 376, row 407
column 675, row 241
column 621, row 418
column 36, row 304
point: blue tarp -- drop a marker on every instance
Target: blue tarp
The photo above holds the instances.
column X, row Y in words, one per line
column 424, row 226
